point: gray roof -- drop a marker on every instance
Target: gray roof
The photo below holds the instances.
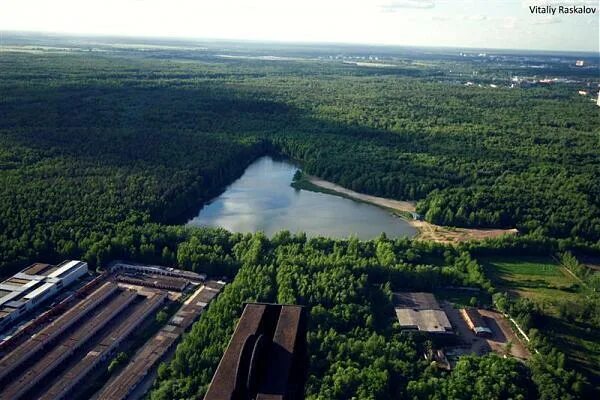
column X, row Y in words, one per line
column 433, row 321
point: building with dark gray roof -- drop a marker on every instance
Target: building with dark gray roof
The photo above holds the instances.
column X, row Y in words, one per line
column 420, row 311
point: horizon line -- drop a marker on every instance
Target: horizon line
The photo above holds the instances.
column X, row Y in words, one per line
column 288, row 42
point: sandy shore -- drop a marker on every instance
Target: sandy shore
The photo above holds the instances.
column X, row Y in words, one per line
column 427, row 231
column 398, row 205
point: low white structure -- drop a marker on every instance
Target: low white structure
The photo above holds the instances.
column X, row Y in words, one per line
column 69, row 271
column 37, row 283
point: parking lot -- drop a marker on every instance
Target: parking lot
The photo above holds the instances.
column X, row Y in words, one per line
column 502, row 334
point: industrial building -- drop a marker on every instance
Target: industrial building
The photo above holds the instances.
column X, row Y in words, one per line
column 266, row 356
column 118, row 266
column 418, row 311
column 104, row 348
column 53, row 355
column 160, row 344
column 24, row 291
column 154, row 281
column 475, row 322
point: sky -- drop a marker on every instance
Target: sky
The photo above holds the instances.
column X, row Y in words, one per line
column 504, row 24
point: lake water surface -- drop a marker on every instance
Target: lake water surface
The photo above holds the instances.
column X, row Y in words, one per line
column 263, row 200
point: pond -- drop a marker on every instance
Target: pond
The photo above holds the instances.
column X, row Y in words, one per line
column 262, row 199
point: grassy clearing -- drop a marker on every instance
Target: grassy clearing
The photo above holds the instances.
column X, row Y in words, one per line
column 538, row 278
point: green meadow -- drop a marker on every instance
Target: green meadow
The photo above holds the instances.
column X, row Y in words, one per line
column 538, row 278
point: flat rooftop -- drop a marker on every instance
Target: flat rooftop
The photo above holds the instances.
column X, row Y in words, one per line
column 433, row 321
column 33, row 285
column 154, row 349
column 416, row 300
column 420, row 311
column 39, row 269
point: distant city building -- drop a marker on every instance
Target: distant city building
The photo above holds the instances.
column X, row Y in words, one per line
column 419, row 311
column 37, row 283
column 266, row 356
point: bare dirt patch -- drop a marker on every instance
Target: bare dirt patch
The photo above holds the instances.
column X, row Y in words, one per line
column 445, row 234
column 502, row 335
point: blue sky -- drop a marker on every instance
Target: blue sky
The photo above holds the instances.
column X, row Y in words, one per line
column 459, row 23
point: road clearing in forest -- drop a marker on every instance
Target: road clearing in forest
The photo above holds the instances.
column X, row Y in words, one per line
column 427, row 231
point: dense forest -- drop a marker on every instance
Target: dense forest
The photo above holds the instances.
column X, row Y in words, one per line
column 102, row 155
column 356, row 348
column 88, row 140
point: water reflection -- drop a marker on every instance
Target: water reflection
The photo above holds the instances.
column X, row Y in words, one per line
column 263, row 200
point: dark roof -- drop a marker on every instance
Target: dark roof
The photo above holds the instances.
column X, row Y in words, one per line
column 416, row 300
column 282, row 350
column 265, row 358
column 223, row 382
column 37, row 269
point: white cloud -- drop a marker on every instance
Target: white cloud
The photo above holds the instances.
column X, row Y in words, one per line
column 475, row 17
column 546, row 20
column 395, row 5
column 509, row 23
column 471, row 23
column 527, row 3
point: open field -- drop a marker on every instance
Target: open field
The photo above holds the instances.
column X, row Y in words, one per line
column 405, row 209
column 444, row 234
column 539, row 279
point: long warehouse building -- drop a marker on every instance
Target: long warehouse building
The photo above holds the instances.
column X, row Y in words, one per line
column 24, row 291
column 160, row 344
column 50, row 334
column 106, row 345
column 42, row 368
